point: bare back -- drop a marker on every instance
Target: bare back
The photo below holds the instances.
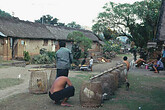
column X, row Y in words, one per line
column 128, row 65
column 60, row 83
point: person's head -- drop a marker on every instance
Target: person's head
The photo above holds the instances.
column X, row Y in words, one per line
column 125, row 58
column 62, row 44
column 158, row 58
column 91, row 57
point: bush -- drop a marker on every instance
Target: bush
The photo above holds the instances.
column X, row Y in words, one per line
column 46, row 57
column 110, row 49
column 42, row 51
column 26, row 56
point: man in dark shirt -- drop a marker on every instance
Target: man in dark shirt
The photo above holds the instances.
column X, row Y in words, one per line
column 63, row 60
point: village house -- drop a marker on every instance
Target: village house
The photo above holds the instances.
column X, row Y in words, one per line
column 17, row 36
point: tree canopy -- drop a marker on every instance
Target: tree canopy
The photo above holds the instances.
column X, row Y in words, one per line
column 73, row 24
column 80, row 40
column 4, row 14
column 48, row 19
column 137, row 21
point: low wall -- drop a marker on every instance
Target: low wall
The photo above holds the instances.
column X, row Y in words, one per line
column 110, row 80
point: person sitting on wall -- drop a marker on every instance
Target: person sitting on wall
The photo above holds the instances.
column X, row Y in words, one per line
column 59, row 93
column 158, row 65
column 139, row 62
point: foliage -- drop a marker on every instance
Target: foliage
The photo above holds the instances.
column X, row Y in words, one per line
column 48, row 19
column 42, row 51
column 82, row 42
column 109, row 34
column 26, row 56
column 73, row 25
column 76, row 54
column 111, row 47
column 45, row 57
column 4, row 14
column 138, row 19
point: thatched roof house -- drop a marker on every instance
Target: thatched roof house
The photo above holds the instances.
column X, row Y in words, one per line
column 24, row 29
column 161, row 23
column 17, row 36
column 62, row 32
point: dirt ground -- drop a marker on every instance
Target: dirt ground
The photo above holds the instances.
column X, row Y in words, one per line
column 15, row 72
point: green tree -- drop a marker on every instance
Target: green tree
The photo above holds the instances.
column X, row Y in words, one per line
column 73, row 25
column 4, row 14
column 80, row 40
column 111, row 47
column 48, row 19
column 136, row 21
column 109, row 34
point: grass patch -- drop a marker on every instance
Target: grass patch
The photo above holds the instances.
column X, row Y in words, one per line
column 6, row 62
column 145, row 92
column 8, row 82
column 122, row 55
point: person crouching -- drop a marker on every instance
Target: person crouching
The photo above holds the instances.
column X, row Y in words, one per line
column 59, row 93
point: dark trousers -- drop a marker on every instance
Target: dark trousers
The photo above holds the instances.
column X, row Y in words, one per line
column 62, row 72
column 64, row 93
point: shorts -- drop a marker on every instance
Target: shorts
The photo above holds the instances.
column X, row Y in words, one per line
column 139, row 63
column 62, row 72
column 159, row 68
column 90, row 66
column 64, row 93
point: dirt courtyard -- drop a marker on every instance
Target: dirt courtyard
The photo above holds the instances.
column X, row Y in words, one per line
column 23, row 73
column 19, row 94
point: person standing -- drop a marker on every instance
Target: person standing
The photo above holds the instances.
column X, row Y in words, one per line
column 91, row 63
column 64, row 59
column 163, row 56
column 127, row 63
column 163, row 53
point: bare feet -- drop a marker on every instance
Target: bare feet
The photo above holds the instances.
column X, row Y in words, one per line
column 66, row 105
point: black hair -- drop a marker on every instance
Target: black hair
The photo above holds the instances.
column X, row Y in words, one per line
column 125, row 58
column 62, row 43
column 158, row 58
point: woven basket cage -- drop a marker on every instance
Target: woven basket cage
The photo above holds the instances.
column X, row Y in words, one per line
column 91, row 94
column 107, row 83
column 52, row 77
column 122, row 74
column 116, row 74
column 38, row 82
